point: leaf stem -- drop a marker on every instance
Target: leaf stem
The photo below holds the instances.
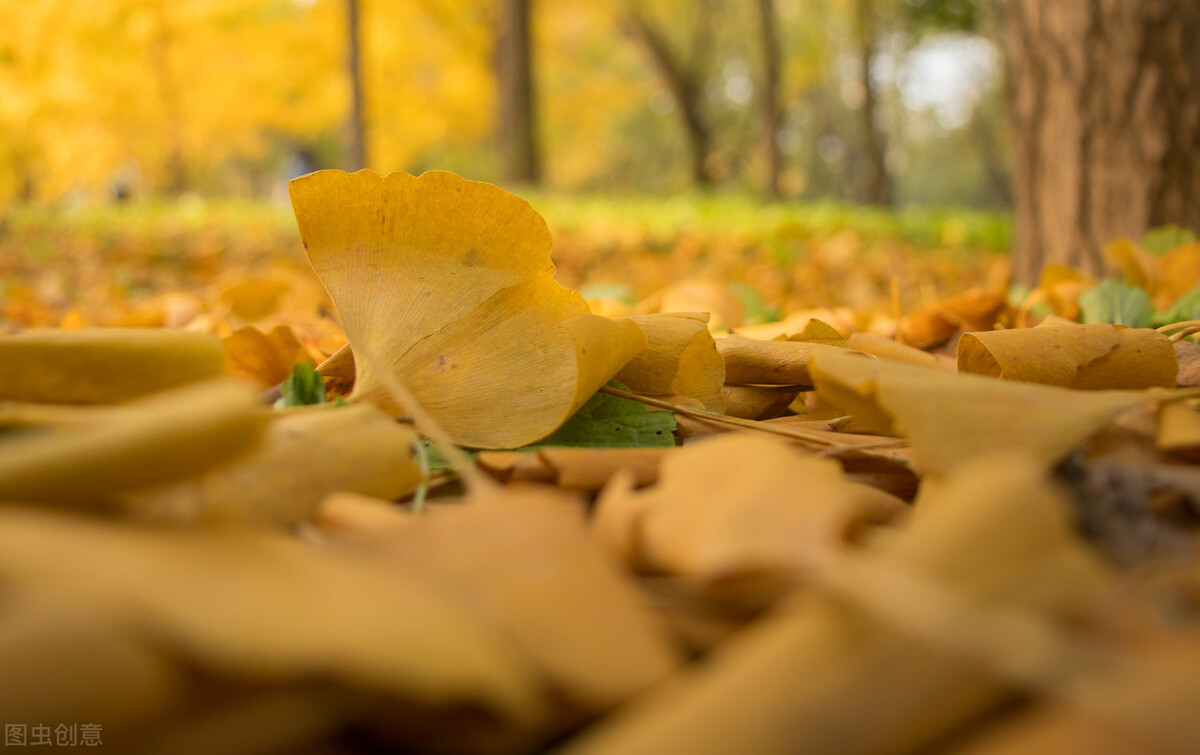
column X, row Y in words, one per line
column 746, row 424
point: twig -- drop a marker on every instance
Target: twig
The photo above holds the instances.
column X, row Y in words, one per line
column 745, row 424
column 1186, row 328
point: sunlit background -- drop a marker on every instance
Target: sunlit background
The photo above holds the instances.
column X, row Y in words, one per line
column 112, row 100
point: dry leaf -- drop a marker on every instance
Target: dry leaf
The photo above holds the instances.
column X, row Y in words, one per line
column 265, row 359
column 818, row 331
column 305, row 455
column 735, row 505
column 526, row 561
column 1063, row 286
column 1073, row 356
column 751, row 362
column 971, row 310
column 449, row 284
column 261, row 608
column 862, row 674
column 1180, row 273
column 680, row 358
column 1138, row 266
column 158, row 440
column 758, row 401
column 950, row 418
column 103, row 365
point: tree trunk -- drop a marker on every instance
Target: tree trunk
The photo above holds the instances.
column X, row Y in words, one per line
column 686, row 86
column 357, row 126
column 1105, row 109
column 769, row 35
column 516, row 101
column 876, row 186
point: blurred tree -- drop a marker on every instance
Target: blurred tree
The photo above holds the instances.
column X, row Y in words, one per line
column 1105, row 108
column 876, row 183
column 769, row 97
column 354, row 71
column 516, row 101
column 684, row 74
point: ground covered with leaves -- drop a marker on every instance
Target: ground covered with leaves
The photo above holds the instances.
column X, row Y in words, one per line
column 411, row 490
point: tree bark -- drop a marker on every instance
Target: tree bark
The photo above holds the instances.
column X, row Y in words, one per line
column 358, row 124
column 1105, row 109
column 876, row 183
column 771, row 115
column 686, row 85
column 516, row 102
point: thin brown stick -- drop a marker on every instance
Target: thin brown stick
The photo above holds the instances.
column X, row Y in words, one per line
column 745, row 424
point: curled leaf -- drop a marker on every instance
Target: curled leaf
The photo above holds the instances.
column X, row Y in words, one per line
column 680, row 358
column 1075, row 356
column 751, row 362
column 449, row 284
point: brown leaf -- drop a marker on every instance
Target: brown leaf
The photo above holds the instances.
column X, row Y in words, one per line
column 680, row 358
column 751, row 362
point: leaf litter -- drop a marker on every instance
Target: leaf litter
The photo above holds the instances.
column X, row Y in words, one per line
column 944, row 531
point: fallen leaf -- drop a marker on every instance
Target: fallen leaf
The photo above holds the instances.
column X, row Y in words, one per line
column 680, row 358
column 735, row 505
column 1063, row 287
column 1117, row 303
column 449, row 284
column 608, row 421
column 527, row 562
column 971, row 310
column 805, row 678
column 103, row 365
column 295, row 604
column 167, row 437
column 757, row 401
column 1075, row 356
column 951, row 418
column 304, row 456
column 751, row 362
column 264, row 358
column 818, row 331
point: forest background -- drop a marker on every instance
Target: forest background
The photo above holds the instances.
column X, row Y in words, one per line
column 764, row 121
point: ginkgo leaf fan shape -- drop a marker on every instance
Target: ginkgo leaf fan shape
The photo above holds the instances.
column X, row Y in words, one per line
column 449, row 284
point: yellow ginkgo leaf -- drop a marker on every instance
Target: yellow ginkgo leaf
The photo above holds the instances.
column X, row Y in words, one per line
column 158, row 440
column 1096, row 356
column 448, row 283
column 305, row 455
column 103, row 365
column 264, row 358
column 737, row 504
column 262, row 608
column 951, row 418
column 680, row 358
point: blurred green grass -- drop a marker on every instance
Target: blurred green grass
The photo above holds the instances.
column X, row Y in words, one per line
column 778, row 256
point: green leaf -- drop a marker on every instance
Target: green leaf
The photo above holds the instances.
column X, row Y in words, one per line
column 608, row 421
column 304, row 387
column 1116, row 302
column 1164, row 238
